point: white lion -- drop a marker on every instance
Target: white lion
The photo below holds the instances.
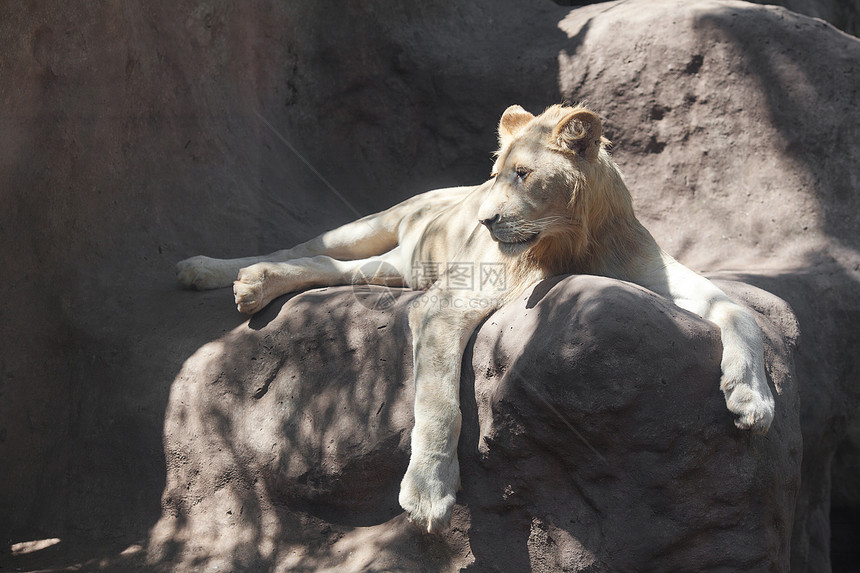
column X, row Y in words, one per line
column 555, row 204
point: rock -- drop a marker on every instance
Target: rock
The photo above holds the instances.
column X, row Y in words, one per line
column 843, row 15
column 845, row 499
column 595, row 438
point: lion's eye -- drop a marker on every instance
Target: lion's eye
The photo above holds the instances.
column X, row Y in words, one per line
column 523, row 172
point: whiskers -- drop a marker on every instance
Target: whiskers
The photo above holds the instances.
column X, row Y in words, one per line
column 542, row 224
column 521, row 230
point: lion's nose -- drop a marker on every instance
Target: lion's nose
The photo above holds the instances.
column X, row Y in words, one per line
column 490, row 222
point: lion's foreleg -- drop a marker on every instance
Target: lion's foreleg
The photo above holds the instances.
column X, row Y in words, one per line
column 440, row 332
column 261, row 283
column 743, row 381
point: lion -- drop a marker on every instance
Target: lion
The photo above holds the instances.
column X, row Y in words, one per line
column 555, row 203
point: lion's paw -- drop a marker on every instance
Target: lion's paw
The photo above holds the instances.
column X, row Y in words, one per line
column 203, row 273
column 754, row 408
column 249, row 289
column 428, row 493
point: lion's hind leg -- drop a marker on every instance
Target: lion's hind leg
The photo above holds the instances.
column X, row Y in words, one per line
column 370, row 236
column 354, row 241
column 260, row 283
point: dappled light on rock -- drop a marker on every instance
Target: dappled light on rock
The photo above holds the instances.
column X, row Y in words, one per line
column 594, row 432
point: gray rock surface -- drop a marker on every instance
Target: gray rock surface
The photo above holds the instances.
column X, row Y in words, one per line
column 595, row 438
column 135, row 137
column 844, row 14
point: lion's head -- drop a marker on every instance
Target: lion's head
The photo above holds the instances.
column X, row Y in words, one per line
column 555, row 190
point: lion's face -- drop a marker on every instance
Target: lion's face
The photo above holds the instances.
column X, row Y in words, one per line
column 536, row 174
column 528, row 198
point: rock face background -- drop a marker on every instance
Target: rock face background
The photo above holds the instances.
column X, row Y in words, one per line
column 135, row 137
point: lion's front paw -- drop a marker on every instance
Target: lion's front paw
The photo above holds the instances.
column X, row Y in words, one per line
column 753, row 404
column 203, row 273
column 428, row 492
column 249, row 289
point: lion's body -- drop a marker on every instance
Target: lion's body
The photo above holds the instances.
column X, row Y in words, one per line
column 556, row 204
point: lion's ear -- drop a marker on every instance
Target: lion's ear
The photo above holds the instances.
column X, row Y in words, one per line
column 580, row 132
column 513, row 120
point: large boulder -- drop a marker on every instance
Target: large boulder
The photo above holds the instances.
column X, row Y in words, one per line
column 595, row 438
